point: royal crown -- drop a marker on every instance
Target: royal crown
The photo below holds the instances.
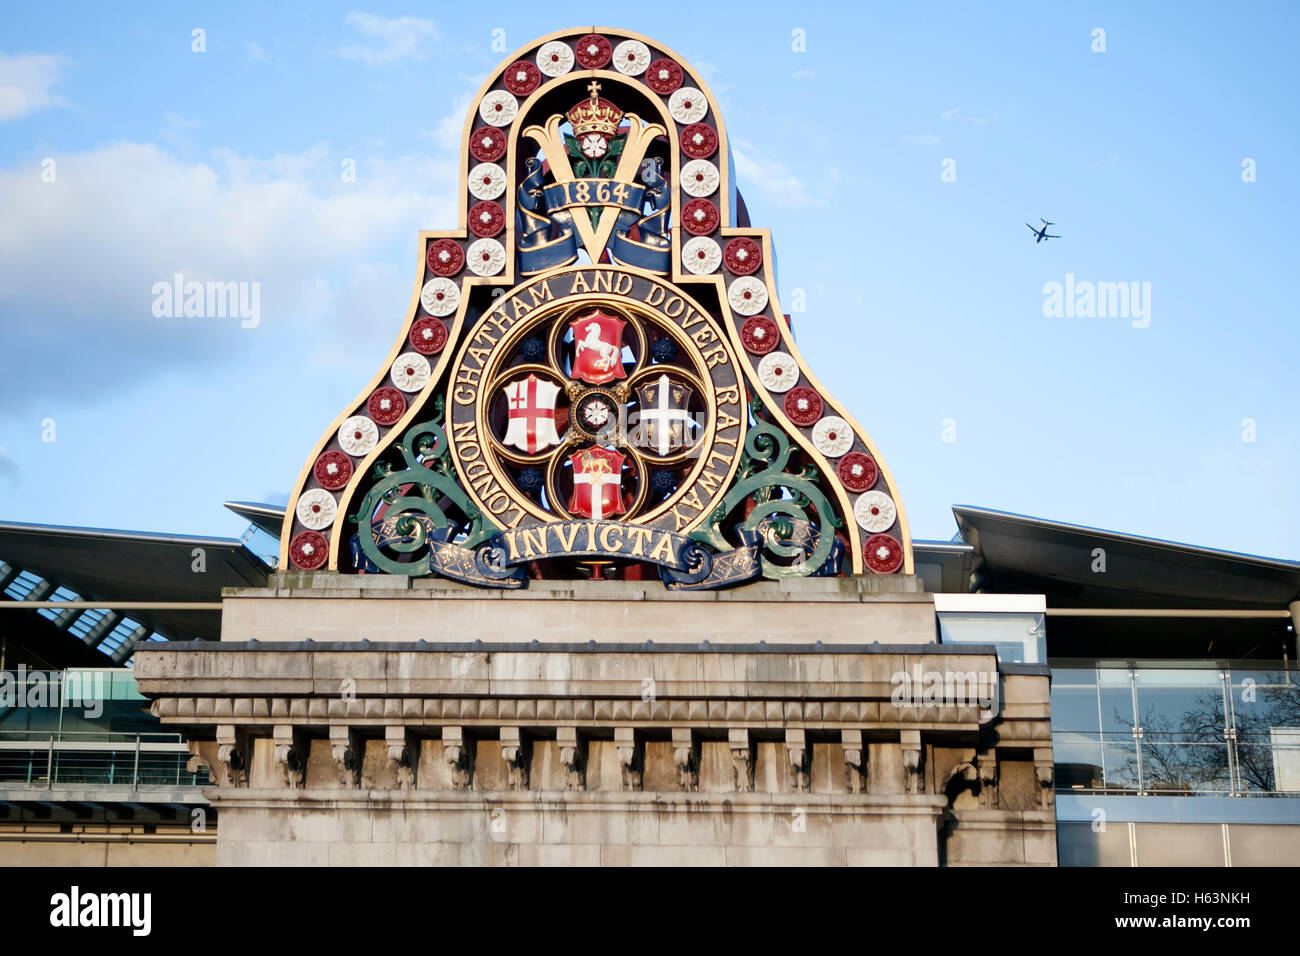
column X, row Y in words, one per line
column 595, row 115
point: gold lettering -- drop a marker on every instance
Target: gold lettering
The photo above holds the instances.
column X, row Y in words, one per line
column 468, row 376
column 678, row 301
column 605, row 535
column 465, row 396
column 591, row 536
column 463, row 451
column 664, row 545
column 642, row 536
column 499, row 503
column 538, row 297
column 500, row 322
column 711, row 482
column 726, row 421
column 692, row 318
column 572, row 528
column 534, row 541
column 608, row 283
column 729, row 395
column 656, row 295
column 619, row 287
column 510, row 537
column 716, row 356
column 703, row 337
column 463, row 431
column 682, row 520
column 478, row 355
column 518, row 516
column 520, row 307
column 579, row 284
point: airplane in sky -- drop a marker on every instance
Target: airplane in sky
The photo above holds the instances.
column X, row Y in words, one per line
column 1042, row 233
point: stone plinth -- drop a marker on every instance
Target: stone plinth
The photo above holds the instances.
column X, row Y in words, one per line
column 557, row 752
column 349, row 607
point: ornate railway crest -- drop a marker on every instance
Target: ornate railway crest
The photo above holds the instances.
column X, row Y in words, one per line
column 595, row 367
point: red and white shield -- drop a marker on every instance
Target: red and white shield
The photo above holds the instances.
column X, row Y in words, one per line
column 531, row 406
column 597, row 483
column 597, row 347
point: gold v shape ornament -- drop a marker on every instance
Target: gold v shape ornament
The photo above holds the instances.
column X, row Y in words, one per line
column 639, row 137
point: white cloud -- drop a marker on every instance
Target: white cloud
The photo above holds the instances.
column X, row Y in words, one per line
column 253, row 50
column 79, row 257
column 954, row 116
column 25, row 82
column 389, row 40
column 926, row 139
column 757, row 174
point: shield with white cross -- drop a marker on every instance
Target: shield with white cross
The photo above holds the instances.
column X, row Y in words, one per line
column 597, row 483
column 664, row 416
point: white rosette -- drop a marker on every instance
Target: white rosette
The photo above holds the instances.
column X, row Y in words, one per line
column 778, row 371
column 410, row 372
column 555, row 58
column 487, row 181
column 747, row 295
column 699, row 178
column 874, row 511
column 358, row 435
column 316, row 509
column 485, row 257
column 687, row 105
column 631, row 57
column 701, row 256
column 832, row 436
column 440, row 297
column 498, row 108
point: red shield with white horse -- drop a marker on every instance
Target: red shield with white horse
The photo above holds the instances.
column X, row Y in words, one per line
column 597, row 347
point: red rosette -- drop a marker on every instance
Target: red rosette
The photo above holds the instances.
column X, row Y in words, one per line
column 309, row 550
column 662, row 84
column 445, row 257
column 759, row 335
column 857, row 471
column 883, row 553
column 486, row 219
column 803, row 405
column 522, row 77
column 699, row 217
column 333, row 470
column 386, row 405
column 742, row 256
column 592, row 51
column 428, row 335
column 487, row 144
column 699, row 141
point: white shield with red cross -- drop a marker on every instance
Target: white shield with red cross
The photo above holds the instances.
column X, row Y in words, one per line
column 597, row 347
column 530, row 403
column 597, row 483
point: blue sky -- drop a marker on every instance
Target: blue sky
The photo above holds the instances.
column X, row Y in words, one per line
column 924, row 298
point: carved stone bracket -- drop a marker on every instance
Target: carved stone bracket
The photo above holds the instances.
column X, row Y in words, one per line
column 290, row 755
column 910, row 741
column 573, row 757
column 458, row 757
column 987, row 762
column 855, row 760
column 402, row 752
column 742, row 758
column 631, row 756
column 796, row 748
column 198, row 762
column 515, row 751
column 346, row 752
column 1043, row 772
column 686, row 756
column 232, row 756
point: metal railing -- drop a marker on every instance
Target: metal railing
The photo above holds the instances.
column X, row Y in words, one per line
column 29, row 759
